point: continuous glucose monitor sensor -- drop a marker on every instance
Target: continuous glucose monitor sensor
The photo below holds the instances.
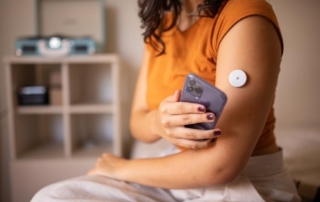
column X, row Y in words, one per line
column 238, row 78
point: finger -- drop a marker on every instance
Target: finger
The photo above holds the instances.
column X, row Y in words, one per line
column 192, row 144
column 176, row 96
column 182, row 108
column 193, row 134
column 186, row 119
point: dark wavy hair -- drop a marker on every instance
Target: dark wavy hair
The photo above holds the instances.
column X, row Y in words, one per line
column 152, row 13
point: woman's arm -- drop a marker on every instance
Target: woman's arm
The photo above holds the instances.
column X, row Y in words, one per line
column 253, row 46
column 142, row 118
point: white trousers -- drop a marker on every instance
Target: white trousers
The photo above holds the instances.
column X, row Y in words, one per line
column 263, row 179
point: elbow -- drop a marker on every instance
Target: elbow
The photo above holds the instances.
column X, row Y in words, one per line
column 229, row 177
column 223, row 176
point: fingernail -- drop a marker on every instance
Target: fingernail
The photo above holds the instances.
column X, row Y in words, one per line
column 214, row 139
column 217, row 133
column 210, row 117
column 201, row 109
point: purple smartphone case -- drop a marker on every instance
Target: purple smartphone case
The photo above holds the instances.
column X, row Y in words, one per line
column 211, row 97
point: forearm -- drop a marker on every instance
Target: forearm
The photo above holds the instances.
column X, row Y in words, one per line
column 189, row 169
column 142, row 126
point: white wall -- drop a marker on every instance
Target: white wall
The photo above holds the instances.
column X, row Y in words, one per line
column 298, row 95
column 15, row 19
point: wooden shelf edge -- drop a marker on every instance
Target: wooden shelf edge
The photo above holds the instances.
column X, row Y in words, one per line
column 92, row 108
column 94, row 59
column 96, row 151
column 45, row 151
column 39, row 109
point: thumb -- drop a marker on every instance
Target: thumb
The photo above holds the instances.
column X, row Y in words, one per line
column 176, row 96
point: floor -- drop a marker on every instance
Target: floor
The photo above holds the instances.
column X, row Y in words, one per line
column 301, row 152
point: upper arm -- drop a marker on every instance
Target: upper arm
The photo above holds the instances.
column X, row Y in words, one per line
column 139, row 99
column 253, row 46
column 139, row 104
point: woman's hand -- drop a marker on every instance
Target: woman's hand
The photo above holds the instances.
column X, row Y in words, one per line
column 110, row 166
column 173, row 115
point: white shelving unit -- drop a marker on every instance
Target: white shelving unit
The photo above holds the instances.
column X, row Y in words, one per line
column 85, row 125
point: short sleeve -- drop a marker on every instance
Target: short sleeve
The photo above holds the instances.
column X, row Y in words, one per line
column 236, row 10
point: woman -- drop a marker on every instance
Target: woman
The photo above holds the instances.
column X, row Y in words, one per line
column 210, row 38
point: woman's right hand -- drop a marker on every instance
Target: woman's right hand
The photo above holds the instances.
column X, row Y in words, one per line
column 172, row 116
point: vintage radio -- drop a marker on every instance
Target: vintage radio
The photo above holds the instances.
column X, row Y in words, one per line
column 55, row 46
column 71, row 20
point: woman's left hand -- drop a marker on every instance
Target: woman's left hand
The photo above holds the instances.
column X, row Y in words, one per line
column 110, row 166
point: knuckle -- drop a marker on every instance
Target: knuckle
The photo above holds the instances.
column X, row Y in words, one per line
column 193, row 145
column 165, row 122
column 191, row 135
column 181, row 108
column 163, row 109
column 169, row 133
column 208, row 135
column 187, row 119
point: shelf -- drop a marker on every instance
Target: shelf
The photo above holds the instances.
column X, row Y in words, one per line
column 94, row 59
column 75, row 109
column 91, row 109
column 39, row 109
column 93, row 151
column 47, row 151
column 63, row 138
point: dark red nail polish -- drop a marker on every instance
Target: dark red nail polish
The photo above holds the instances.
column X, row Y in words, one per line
column 210, row 117
column 201, row 109
column 217, row 133
column 214, row 139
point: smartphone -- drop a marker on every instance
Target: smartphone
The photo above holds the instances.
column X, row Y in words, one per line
column 197, row 90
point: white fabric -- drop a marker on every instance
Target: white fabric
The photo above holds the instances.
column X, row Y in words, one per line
column 263, row 179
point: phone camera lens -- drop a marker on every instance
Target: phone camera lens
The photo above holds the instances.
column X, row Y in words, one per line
column 190, row 88
column 198, row 89
column 192, row 82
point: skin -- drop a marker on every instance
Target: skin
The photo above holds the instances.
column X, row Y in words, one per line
column 256, row 50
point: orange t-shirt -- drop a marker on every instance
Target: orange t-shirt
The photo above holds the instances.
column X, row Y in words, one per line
column 195, row 50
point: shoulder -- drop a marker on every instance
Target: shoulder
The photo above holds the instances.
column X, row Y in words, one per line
column 246, row 6
column 234, row 11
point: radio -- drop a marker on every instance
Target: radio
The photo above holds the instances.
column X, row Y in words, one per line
column 54, row 46
column 62, row 29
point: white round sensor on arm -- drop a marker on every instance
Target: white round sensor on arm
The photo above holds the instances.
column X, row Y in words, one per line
column 237, row 78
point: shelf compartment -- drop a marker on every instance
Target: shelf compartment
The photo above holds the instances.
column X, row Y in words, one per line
column 90, row 84
column 92, row 134
column 31, row 75
column 39, row 134
column 45, row 151
column 40, row 110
